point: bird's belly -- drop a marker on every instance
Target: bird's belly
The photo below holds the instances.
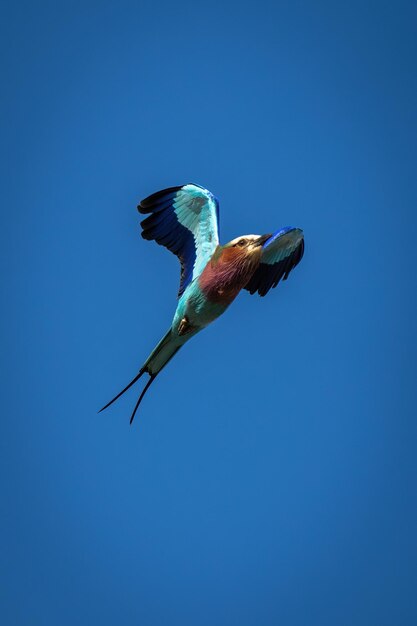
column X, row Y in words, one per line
column 197, row 309
column 202, row 311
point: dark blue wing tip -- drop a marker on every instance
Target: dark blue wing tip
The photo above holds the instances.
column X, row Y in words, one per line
column 283, row 231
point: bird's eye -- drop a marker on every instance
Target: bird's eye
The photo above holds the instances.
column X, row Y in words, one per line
column 241, row 242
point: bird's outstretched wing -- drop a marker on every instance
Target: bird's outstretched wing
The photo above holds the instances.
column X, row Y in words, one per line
column 280, row 254
column 184, row 220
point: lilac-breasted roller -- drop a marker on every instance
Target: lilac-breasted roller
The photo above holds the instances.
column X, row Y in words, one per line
column 185, row 220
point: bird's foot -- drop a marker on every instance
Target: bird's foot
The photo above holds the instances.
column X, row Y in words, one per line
column 185, row 326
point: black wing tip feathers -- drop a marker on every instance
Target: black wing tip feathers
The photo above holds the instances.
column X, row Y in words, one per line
column 268, row 277
column 146, row 205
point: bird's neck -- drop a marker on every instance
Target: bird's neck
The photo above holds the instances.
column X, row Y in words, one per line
column 227, row 272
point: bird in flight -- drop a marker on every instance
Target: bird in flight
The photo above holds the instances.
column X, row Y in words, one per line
column 185, row 220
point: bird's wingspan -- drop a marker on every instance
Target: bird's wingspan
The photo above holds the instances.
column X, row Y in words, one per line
column 184, row 220
column 280, row 254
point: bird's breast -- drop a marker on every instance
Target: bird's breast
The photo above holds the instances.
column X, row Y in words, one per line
column 221, row 280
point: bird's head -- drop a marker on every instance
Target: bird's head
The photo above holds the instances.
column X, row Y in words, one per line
column 245, row 247
column 241, row 255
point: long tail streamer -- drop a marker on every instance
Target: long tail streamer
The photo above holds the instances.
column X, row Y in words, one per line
column 132, row 382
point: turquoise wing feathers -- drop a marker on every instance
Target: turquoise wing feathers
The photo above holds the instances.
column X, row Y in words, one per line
column 280, row 254
column 185, row 220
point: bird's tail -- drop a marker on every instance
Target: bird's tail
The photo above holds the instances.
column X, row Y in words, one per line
column 159, row 357
column 163, row 353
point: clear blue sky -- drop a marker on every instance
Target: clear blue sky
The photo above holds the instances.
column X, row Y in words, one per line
column 270, row 476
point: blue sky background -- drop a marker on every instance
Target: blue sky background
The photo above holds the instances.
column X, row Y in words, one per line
column 270, row 477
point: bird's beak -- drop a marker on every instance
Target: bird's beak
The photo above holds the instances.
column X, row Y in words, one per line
column 261, row 240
